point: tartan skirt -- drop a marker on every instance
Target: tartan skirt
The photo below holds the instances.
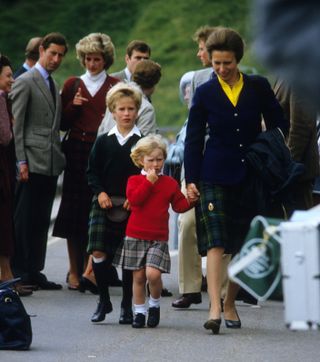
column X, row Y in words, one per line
column 222, row 218
column 104, row 235
column 73, row 214
column 137, row 254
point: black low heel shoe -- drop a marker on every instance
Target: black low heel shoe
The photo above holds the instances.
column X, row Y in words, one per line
column 103, row 308
column 214, row 325
column 126, row 316
column 233, row 324
column 86, row 284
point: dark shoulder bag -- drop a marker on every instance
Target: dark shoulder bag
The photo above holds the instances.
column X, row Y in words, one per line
column 15, row 323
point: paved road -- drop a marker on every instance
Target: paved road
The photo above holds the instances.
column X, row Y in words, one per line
column 62, row 330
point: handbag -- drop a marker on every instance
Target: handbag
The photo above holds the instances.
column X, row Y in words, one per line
column 15, row 323
column 117, row 213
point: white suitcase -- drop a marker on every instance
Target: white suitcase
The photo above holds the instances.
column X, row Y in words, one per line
column 300, row 262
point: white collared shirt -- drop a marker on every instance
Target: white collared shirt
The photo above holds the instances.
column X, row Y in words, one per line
column 144, row 173
column 93, row 82
column 128, row 74
column 43, row 73
column 26, row 66
column 122, row 140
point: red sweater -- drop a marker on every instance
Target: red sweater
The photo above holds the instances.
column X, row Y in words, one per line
column 149, row 202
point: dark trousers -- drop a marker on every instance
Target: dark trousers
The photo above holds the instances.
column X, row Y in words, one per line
column 33, row 205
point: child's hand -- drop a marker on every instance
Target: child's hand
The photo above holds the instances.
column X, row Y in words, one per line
column 152, row 176
column 104, row 201
column 127, row 205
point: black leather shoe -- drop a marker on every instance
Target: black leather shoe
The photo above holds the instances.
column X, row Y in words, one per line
column 187, row 299
column 233, row 324
column 43, row 283
column 139, row 320
column 86, row 284
column 103, row 308
column 246, row 297
column 47, row 285
column 126, row 316
column 214, row 325
column 165, row 293
column 153, row 317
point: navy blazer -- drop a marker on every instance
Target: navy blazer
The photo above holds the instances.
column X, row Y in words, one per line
column 231, row 129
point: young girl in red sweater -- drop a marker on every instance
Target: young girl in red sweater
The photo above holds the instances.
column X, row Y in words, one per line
column 145, row 249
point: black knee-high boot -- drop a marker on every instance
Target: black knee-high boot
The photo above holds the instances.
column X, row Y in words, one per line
column 104, row 305
column 126, row 303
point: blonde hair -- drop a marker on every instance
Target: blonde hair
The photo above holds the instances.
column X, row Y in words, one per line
column 121, row 90
column 96, row 43
column 145, row 146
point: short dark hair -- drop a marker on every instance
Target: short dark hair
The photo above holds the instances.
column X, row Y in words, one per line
column 32, row 48
column 147, row 74
column 226, row 39
column 138, row 45
column 4, row 62
column 203, row 33
column 54, row 38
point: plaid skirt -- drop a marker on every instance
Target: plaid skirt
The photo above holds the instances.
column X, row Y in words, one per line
column 104, row 235
column 222, row 219
column 73, row 214
column 136, row 254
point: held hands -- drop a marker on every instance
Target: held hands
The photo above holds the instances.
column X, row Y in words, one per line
column 192, row 193
column 104, row 201
column 78, row 99
column 126, row 205
column 152, row 176
column 23, row 172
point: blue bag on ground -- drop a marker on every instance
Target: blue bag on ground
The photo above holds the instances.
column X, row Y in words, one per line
column 15, row 323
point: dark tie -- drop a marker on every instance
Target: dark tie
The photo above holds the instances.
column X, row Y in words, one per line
column 52, row 89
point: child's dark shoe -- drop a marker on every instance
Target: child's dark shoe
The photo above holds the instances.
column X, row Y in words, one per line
column 139, row 320
column 153, row 317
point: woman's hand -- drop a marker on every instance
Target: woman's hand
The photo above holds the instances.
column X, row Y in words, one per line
column 78, row 99
column 192, row 193
column 104, row 201
column 152, row 176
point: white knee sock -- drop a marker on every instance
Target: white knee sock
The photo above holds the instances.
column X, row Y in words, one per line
column 99, row 260
column 154, row 303
column 140, row 308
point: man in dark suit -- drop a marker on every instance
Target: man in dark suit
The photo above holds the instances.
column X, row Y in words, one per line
column 36, row 107
column 137, row 51
column 32, row 56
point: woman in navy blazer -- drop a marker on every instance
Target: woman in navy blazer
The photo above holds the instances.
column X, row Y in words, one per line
column 230, row 106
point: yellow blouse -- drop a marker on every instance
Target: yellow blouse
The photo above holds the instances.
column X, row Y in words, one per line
column 234, row 92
